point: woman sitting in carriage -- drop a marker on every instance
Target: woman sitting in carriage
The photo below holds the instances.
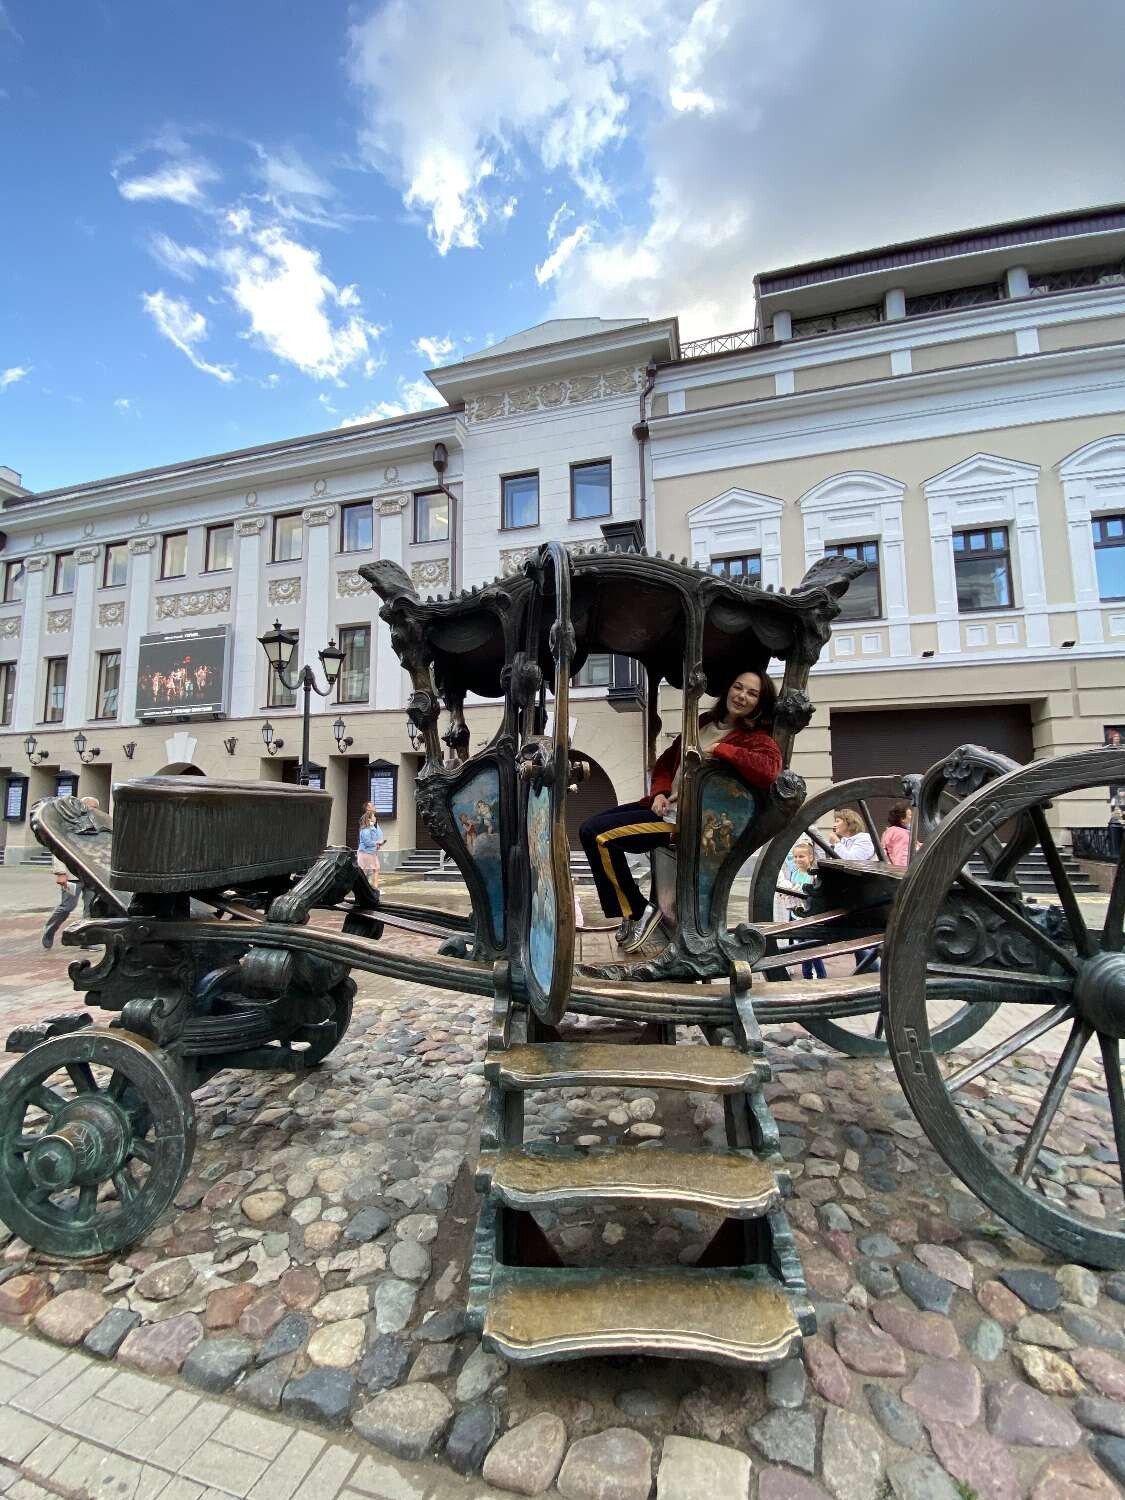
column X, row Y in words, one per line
column 737, row 730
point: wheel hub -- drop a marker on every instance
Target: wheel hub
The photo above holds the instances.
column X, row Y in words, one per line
column 1099, row 993
column 88, row 1144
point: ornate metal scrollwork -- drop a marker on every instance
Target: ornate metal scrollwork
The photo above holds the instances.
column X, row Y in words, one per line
column 794, row 710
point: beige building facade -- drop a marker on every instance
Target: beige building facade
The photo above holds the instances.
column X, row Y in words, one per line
column 951, row 410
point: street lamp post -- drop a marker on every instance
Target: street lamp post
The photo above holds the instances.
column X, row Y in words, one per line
column 280, row 647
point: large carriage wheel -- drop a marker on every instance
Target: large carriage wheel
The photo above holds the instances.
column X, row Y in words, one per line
column 95, row 1140
column 1069, row 977
column 857, row 1036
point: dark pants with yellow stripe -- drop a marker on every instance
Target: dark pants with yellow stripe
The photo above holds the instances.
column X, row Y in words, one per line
column 607, row 837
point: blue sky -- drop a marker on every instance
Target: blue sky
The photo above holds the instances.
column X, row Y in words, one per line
column 231, row 222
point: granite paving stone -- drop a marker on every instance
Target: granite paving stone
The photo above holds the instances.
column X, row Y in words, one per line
column 787, row 1437
column 947, row 1390
column 615, row 1464
column 1019, row 1414
column 1072, row 1476
column 527, row 1458
column 693, row 1469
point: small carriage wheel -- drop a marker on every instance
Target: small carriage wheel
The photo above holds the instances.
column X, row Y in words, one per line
column 322, row 1039
column 90, row 1158
column 857, row 793
column 1069, row 977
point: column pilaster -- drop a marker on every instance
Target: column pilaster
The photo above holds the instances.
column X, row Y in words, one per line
column 388, row 669
column 247, row 592
column 78, row 708
column 316, row 626
column 142, row 551
column 27, row 673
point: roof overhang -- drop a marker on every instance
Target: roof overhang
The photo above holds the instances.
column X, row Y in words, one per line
column 640, row 343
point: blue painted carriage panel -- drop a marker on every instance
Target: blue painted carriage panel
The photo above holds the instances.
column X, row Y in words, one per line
column 728, row 808
column 544, row 910
column 476, row 816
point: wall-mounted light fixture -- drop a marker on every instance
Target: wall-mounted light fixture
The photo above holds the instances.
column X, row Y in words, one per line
column 80, row 744
column 343, row 741
column 36, row 757
column 230, row 744
column 926, row 655
column 1066, row 645
column 272, row 745
column 130, row 749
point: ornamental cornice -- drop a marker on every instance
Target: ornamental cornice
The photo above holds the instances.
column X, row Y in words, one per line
column 430, row 575
column 318, row 515
column 250, row 525
column 36, row 563
column 350, row 585
column 112, row 614
column 392, row 505
column 546, row 395
column 9, row 628
column 284, row 591
column 198, row 602
column 58, row 621
column 87, row 554
column 140, row 545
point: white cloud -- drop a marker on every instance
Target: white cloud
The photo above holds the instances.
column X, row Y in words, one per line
column 558, row 219
column 288, row 176
column 435, row 351
column 279, row 284
column 182, row 260
column 178, row 321
column 179, row 181
column 561, row 254
column 413, row 395
column 12, row 375
column 124, row 403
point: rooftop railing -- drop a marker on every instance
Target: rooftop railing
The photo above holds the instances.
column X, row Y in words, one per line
column 719, row 343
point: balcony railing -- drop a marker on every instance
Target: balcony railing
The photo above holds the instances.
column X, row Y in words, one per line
column 719, row 343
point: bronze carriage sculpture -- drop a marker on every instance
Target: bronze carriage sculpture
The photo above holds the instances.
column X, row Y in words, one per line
column 210, row 961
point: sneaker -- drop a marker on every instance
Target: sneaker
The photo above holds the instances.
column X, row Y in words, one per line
column 624, row 931
column 646, row 925
column 47, row 941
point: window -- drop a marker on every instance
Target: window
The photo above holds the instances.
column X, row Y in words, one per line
column 109, row 681
column 115, row 568
column 287, row 538
column 64, row 573
column 7, row 690
column 1112, row 274
column 863, row 601
column 353, row 684
column 56, row 690
column 1109, row 555
column 961, row 296
column 14, row 576
column 431, row 517
column 837, row 322
column 357, row 533
column 173, row 556
column 596, row 671
column 519, row 501
column 743, row 566
column 277, row 694
column 983, row 569
column 590, row 490
column 220, row 548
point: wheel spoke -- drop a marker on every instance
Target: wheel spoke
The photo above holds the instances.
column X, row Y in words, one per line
column 46, row 1099
column 22, row 1144
column 822, row 843
column 879, row 1027
column 143, row 1152
column 869, row 824
column 1111, row 1060
column 1080, row 1034
column 1005, row 1049
column 1017, row 919
column 1069, row 901
column 1115, row 911
column 87, row 1202
column 1011, row 986
column 82, row 1077
column 117, row 1086
column 126, row 1187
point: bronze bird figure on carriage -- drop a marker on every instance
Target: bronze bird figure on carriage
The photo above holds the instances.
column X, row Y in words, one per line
column 208, row 959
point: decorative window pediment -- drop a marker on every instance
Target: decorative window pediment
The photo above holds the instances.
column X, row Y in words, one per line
column 1102, row 458
column 739, row 522
column 734, row 505
column 982, row 472
column 857, row 487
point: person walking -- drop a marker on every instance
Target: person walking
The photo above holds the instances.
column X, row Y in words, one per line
column 896, row 836
column 69, row 891
column 371, row 840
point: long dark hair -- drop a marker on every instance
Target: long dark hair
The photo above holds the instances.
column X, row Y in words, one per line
column 896, row 818
column 763, row 715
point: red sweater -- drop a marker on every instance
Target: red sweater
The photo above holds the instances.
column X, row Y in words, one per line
column 751, row 753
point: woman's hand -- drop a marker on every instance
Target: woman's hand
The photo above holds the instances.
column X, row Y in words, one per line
column 660, row 804
column 833, row 838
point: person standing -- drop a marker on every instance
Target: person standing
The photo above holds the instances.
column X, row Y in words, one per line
column 371, row 840
column 69, row 891
column 896, row 836
column 805, row 881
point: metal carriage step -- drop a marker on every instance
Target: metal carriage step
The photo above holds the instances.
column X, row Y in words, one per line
column 736, row 1317
column 717, row 1070
column 736, row 1184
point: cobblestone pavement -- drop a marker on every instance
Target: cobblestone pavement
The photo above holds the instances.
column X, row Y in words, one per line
column 314, row 1270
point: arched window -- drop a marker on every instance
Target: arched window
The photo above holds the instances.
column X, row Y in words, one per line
column 860, row 514
column 739, row 533
column 1093, row 482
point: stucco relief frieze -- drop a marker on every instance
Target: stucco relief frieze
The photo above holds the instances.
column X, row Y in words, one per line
column 87, row 554
column 430, row 575
column 393, row 505
column 284, row 591
column 512, row 559
column 553, row 393
column 318, row 515
column 58, row 621
column 350, row 585
column 10, row 628
column 251, row 525
column 139, row 545
column 112, row 614
column 198, row 602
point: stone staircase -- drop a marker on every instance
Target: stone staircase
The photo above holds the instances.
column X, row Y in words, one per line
column 743, row 1303
column 1035, row 878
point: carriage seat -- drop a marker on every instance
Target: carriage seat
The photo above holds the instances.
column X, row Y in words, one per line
column 727, row 807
